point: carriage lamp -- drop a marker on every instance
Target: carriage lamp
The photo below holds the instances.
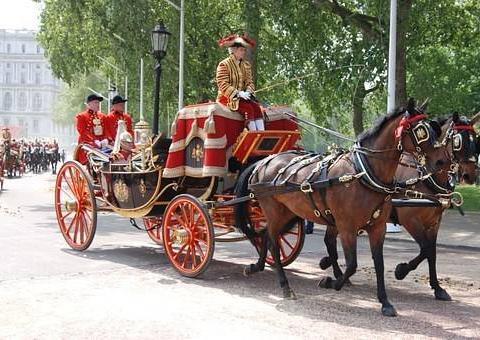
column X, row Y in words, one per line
column 160, row 37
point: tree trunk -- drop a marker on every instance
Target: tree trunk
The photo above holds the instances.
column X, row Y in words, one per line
column 251, row 13
column 358, row 98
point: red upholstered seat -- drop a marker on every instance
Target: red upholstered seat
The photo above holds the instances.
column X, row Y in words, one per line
column 203, row 136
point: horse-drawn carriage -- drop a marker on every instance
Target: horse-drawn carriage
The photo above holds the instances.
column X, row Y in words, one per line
column 182, row 187
column 200, row 187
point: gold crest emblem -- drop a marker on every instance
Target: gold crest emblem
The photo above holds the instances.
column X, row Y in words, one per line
column 142, row 187
column 120, row 190
column 197, row 153
column 421, row 134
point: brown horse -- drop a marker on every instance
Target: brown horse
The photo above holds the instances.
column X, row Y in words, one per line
column 423, row 222
column 360, row 198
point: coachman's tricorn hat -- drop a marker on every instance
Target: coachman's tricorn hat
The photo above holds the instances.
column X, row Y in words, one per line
column 235, row 40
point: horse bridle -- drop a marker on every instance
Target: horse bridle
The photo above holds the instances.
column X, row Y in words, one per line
column 420, row 133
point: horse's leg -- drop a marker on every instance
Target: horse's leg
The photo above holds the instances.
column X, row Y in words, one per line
column 349, row 244
column 439, row 292
column 277, row 216
column 282, row 278
column 260, row 265
column 416, row 229
column 376, row 235
column 332, row 258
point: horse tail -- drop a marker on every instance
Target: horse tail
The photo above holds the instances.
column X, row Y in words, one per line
column 242, row 216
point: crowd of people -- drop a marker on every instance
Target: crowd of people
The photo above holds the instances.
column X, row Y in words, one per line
column 37, row 155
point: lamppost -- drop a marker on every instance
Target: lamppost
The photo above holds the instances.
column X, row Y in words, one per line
column 160, row 37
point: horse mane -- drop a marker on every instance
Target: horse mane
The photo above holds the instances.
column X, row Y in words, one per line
column 379, row 125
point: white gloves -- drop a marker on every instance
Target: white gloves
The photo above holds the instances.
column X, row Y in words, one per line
column 101, row 144
column 244, row 95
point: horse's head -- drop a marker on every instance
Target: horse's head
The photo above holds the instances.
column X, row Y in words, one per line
column 465, row 146
column 418, row 135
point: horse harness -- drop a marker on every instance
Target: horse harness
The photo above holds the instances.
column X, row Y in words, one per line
column 318, row 179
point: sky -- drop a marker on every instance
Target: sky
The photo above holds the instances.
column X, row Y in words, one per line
column 20, row 14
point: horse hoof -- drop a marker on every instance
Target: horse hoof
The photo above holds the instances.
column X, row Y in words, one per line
column 289, row 294
column 246, row 271
column 325, row 263
column 337, row 285
column 401, row 271
column 326, row 282
column 389, row 310
column 442, row 295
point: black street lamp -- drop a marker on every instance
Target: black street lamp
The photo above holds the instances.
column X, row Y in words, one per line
column 160, row 37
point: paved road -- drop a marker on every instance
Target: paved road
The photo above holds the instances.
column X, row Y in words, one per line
column 124, row 287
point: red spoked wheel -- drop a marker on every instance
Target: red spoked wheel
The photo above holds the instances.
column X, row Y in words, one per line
column 153, row 225
column 75, row 205
column 188, row 236
column 290, row 242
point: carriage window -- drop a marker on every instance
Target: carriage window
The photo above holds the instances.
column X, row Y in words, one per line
column 7, row 101
column 267, row 144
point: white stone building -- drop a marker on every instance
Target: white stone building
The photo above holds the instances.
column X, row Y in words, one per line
column 28, row 89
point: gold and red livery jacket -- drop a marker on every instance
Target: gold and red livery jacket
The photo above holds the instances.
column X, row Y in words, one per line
column 233, row 76
column 90, row 127
column 111, row 124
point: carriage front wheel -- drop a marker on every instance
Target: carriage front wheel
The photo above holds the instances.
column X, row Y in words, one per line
column 75, row 205
column 188, row 236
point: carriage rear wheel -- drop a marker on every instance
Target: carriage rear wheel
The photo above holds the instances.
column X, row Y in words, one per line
column 290, row 242
column 188, row 236
column 153, row 225
column 75, row 205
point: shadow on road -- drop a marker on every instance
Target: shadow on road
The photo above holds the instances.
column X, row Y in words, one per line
column 355, row 305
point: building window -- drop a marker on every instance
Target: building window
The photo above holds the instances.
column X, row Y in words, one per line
column 7, row 101
column 35, row 125
column 20, row 121
column 6, row 121
column 22, row 101
column 23, row 78
column 38, row 78
column 38, row 49
column 9, row 48
column 37, row 102
column 23, row 66
column 23, row 48
column 8, row 77
column 38, row 66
